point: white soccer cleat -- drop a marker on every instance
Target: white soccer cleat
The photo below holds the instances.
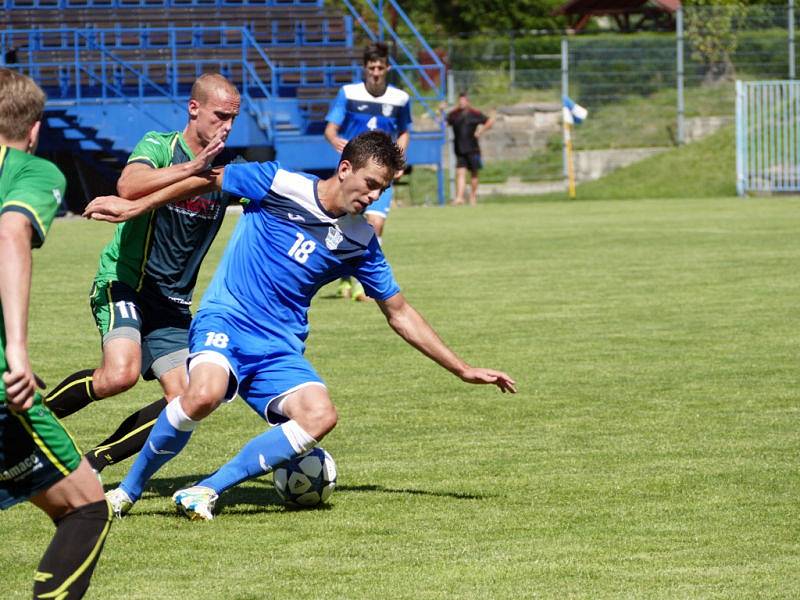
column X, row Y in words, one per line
column 196, row 502
column 120, row 502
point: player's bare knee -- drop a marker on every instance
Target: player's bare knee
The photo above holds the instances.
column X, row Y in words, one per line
column 115, row 379
column 199, row 401
column 329, row 421
column 174, row 382
column 173, row 390
column 77, row 489
column 320, row 419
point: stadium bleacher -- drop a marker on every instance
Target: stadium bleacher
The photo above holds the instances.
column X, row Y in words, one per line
column 288, row 57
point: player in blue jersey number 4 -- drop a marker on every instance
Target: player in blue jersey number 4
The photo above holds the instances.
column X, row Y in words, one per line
column 297, row 234
column 370, row 105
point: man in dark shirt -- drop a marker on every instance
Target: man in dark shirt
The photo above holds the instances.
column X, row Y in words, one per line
column 468, row 125
column 147, row 273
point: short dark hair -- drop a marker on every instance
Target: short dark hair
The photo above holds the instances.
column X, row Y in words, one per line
column 376, row 51
column 375, row 145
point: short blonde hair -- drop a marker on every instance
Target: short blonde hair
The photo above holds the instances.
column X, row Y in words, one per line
column 203, row 86
column 21, row 104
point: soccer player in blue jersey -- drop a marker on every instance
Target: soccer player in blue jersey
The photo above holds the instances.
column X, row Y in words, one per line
column 370, row 105
column 297, row 234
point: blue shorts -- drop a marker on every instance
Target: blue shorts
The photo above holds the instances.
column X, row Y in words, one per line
column 382, row 205
column 264, row 366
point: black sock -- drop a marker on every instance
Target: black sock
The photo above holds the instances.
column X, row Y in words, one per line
column 72, row 394
column 68, row 563
column 128, row 439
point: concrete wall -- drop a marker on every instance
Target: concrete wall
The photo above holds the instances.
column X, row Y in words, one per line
column 523, row 129
column 520, row 130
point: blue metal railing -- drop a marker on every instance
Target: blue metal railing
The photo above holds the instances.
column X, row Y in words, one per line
column 166, row 50
column 78, row 4
column 300, row 35
column 411, row 64
column 90, row 65
column 169, row 48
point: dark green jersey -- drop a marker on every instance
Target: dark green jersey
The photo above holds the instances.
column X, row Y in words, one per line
column 163, row 250
column 33, row 187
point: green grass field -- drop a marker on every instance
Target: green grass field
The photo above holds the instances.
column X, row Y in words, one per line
column 651, row 452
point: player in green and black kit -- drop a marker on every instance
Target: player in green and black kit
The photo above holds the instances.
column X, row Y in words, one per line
column 39, row 461
column 143, row 287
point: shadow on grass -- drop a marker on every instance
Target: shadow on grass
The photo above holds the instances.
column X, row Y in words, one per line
column 408, row 491
column 259, row 495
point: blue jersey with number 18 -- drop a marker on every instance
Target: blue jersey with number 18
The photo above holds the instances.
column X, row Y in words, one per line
column 285, row 247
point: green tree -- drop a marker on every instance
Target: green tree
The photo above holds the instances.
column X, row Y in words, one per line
column 462, row 16
column 712, row 32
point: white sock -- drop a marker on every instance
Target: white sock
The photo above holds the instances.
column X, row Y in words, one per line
column 298, row 437
column 178, row 418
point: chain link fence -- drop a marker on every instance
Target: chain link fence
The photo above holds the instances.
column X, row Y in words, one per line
column 644, row 91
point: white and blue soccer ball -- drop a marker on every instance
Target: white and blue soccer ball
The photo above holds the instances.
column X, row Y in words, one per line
column 306, row 480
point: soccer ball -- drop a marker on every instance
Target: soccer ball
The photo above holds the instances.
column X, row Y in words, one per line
column 306, row 480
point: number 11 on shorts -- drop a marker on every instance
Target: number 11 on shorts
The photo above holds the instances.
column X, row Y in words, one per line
column 127, row 310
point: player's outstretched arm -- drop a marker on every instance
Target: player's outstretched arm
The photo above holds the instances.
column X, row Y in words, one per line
column 116, row 210
column 139, row 179
column 15, row 286
column 415, row 330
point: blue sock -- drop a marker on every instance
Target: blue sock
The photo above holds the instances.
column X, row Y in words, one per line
column 163, row 443
column 259, row 456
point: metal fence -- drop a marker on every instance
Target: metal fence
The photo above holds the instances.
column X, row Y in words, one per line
column 767, row 136
column 643, row 91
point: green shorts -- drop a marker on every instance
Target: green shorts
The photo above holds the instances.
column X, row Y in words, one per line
column 35, row 452
column 159, row 325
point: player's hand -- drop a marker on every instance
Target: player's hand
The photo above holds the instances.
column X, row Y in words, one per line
column 20, row 381
column 482, row 376
column 206, row 156
column 339, row 144
column 111, row 208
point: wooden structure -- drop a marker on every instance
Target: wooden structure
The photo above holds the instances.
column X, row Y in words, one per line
column 629, row 15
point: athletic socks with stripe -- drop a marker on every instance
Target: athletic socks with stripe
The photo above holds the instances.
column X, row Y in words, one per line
column 169, row 435
column 68, row 563
column 128, row 439
column 72, row 394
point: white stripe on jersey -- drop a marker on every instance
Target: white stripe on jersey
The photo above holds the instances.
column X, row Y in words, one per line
column 300, row 189
column 358, row 93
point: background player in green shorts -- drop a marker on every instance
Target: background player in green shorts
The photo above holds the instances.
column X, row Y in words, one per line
column 38, row 459
column 143, row 287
